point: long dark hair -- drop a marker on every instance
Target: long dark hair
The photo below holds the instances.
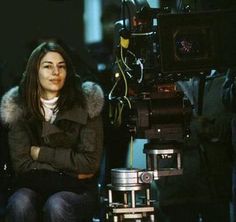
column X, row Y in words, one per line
column 29, row 89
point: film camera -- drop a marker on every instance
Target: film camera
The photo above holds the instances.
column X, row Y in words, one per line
column 156, row 49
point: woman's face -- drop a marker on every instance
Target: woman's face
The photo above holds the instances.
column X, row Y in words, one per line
column 52, row 74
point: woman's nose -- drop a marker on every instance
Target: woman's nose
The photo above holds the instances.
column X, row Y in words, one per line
column 55, row 70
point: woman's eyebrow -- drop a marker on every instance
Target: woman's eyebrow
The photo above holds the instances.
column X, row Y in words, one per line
column 61, row 62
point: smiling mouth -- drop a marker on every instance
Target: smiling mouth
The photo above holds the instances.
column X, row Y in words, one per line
column 55, row 81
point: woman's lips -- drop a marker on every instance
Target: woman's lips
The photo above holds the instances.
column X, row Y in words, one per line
column 55, row 81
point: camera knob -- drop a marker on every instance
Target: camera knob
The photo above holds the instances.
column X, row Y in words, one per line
column 146, row 177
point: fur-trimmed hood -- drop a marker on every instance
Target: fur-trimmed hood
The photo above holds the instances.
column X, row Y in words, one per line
column 10, row 110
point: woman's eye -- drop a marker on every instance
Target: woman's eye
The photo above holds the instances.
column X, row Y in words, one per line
column 51, row 67
column 47, row 66
column 62, row 67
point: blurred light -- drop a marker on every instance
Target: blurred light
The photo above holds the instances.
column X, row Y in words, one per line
column 153, row 3
column 117, row 75
column 92, row 21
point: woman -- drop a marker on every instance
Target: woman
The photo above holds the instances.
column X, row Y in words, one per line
column 55, row 139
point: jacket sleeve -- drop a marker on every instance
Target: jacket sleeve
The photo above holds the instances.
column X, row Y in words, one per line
column 86, row 158
column 229, row 90
column 19, row 148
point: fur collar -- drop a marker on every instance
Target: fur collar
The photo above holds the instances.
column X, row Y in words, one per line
column 10, row 110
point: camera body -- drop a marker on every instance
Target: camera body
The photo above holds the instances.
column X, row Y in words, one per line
column 155, row 50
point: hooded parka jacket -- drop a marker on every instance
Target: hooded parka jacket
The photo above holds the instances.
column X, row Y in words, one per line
column 71, row 145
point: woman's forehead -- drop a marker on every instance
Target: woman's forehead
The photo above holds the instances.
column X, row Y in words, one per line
column 52, row 57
